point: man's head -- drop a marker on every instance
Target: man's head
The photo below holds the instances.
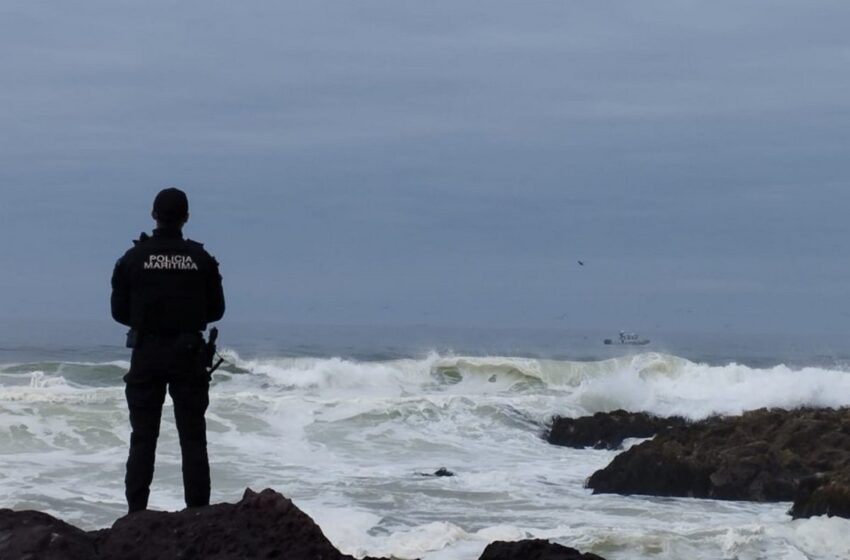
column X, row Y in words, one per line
column 170, row 208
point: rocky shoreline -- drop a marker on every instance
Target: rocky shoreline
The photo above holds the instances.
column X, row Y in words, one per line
column 262, row 525
column 765, row 455
column 607, row 430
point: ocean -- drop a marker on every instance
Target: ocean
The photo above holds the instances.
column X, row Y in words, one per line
column 349, row 422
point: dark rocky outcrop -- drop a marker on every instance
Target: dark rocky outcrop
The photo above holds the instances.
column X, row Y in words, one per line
column 262, row 525
column 761, row 455
column 442, row 471
column 536, row 549
column 607, row 430
column 32, row 535
column 823, row 495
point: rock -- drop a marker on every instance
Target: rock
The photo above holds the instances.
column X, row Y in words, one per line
column 261, row 525
column 442, row 471
column 761, row 456
column 536, row 549
column 823, row 495
column 32, row 535
column 607, row 430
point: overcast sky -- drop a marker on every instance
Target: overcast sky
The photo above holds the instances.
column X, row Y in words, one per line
column 439, row 162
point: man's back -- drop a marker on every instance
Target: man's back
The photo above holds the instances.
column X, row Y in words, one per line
column 167, row 284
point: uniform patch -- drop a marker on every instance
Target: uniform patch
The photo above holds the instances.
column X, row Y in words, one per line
column 170, row 262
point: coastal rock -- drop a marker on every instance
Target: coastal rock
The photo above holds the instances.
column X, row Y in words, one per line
column 442, row 471
column 760, row 456
column 607, row 430
column 823, row 495
column 535, row 549
column 261, row 525
column 32, row 535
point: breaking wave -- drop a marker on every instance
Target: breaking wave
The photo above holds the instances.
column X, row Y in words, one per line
column 654, row 382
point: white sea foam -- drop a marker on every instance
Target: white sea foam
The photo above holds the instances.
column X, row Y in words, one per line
column 820, row 537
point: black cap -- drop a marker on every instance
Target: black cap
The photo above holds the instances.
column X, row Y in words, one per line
column 171, row 205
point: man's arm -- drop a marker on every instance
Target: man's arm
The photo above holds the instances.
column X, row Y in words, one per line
column 120, row 300
column 215, row 293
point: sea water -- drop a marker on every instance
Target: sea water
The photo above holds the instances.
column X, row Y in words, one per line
column 350, row 422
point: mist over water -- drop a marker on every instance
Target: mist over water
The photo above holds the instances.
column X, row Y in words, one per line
column 347, row 422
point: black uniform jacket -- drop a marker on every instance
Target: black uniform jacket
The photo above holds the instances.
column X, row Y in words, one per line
column 167, row 285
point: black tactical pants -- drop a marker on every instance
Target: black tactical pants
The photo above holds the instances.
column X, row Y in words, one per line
column 157, row 365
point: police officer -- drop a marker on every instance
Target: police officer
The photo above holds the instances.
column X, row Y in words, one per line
column 167, row 289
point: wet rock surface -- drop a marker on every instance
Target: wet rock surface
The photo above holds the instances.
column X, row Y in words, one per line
column 763, row 455
column 32, row 535
column 262, row 525
column 536, row 549
column 441, row 472
column 607, row 430
column 823, row 495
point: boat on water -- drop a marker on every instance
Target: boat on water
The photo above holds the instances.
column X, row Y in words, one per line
column 631, row 339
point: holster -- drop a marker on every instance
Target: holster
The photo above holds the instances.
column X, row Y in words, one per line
column 132, row 338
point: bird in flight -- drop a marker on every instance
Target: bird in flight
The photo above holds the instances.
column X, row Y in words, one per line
column 580, row 263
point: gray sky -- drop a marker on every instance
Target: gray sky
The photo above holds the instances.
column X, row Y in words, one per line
column 439, row 162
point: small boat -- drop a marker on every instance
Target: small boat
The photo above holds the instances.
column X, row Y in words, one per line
column 631, row 339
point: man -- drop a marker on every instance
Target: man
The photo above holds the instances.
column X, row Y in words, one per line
column 167, row 289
